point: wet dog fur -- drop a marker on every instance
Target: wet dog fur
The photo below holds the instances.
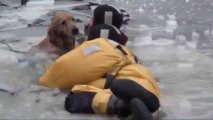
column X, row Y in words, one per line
column 61, row 34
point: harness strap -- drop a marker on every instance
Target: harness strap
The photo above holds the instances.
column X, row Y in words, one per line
column 122, row 50
column 110, row 77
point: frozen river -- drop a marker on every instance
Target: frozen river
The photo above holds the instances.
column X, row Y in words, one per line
column 172, row 37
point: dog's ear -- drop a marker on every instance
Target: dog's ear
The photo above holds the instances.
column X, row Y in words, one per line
column 52, row 34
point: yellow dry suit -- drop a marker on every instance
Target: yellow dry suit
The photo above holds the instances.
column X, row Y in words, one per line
column 134, row 72
column 88, row 62
column 93, row 66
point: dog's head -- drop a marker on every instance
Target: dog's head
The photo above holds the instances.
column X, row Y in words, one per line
column 62, row 31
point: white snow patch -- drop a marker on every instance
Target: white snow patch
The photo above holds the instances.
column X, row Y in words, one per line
column 40, row 2
column 185, row 65
column 185, row 104
column 187, row 1
column 171, row 26
column 147, row 41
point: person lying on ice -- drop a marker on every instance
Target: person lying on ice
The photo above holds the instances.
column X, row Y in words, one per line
column 130, row 89
column 104, row 78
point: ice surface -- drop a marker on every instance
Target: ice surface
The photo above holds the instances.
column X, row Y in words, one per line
column 40, row 2
column 183, row 69
column 171, row 24
column 187, row 1
column 21, row 17
column 185, row 80
column 147, row 41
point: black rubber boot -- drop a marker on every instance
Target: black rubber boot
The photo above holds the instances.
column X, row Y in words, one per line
column 127, row 90
column 139, row 110
column 79, row 102
column 117, row 107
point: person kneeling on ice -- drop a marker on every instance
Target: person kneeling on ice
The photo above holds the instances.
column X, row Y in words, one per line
column 127, row 89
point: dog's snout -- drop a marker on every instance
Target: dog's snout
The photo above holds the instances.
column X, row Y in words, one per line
column 75, row 31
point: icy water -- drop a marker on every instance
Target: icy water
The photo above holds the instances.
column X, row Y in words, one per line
column 172, row 37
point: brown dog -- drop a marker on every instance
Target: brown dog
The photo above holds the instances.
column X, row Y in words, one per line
column 61, row 34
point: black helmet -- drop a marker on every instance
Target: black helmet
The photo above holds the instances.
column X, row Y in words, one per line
column 105, row 31
column 105, row 14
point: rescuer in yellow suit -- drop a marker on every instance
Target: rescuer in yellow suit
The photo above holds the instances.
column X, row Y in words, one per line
column 104, row 78
column 127, row 89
